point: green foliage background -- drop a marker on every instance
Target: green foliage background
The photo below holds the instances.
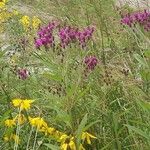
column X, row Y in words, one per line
column 115, row 97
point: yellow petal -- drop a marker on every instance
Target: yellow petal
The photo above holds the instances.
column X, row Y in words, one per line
column 91, row 136
column 83, row 136
column 81, row 147
column 63, row 137
column 87, row 136
column 51, row 130
column 16, row 102
column 64, row 147
column 20, row 119
column 36, row 22
column 15, row 12
column 6, row 138
column 2, row 4
column 88, row 140
column 10, row 122
column 23, row 104
column 72, row 145
column 15, row 138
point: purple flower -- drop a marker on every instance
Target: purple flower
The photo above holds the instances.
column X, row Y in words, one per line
column 23, row 74
column 38, row 43
column 45, row 35
column 91, row 62
column 84, row 36
column 141, row 18
column 71, row 35
column 67, row 35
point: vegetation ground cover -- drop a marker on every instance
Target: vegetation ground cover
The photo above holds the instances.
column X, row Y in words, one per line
column 74, row 75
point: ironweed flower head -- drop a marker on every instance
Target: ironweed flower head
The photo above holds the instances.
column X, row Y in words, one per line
column 91, row 62
column 85, row 35
column 45, row 35
column 67, row 35
column 141, row 18
column 23, row 74
column 71, row 34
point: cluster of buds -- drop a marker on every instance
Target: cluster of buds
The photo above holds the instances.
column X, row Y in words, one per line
column 91, row 62
column 67, row 35
column 45, row 35
column 141, row 18
column 23, row 74
column 85, row 35
column 70, row 34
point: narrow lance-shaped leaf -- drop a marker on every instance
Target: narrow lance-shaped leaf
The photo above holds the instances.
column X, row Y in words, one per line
column 81, row 129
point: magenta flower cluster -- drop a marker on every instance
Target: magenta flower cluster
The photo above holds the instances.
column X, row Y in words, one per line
column 85, row 35
column 23, row 74
column 45, row 35
column 90, row 62
column 67, row 35
column 141, row 18
column 70, row 35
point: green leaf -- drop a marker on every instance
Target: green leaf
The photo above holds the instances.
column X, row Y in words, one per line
column 138, row 131
column 145, row 74
column 147, row 53
column 81, row 129
column 49, row 75
column 52, row 147
column 62, row 116
column 140, row 60
column 145, row 105
column 91, row 124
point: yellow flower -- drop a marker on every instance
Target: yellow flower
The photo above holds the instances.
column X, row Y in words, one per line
column 36, row 22
column 63, row 137
column 2, row 5
column 51, row 130
column 25, row 20
column 20, row 119
column 81, row 147
column 67, row 142
column 57, row 135
column 45, row 130
column 87, row 136
column 11, row 137
column 37, row 122
column 48, row 130
column 72, row 145
column 4, row 16
column 15, row 12
column 4, row 1
column 64, row 146
column 6, row 138
column 10, row 122
column 22, row 104
column 15, row 138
